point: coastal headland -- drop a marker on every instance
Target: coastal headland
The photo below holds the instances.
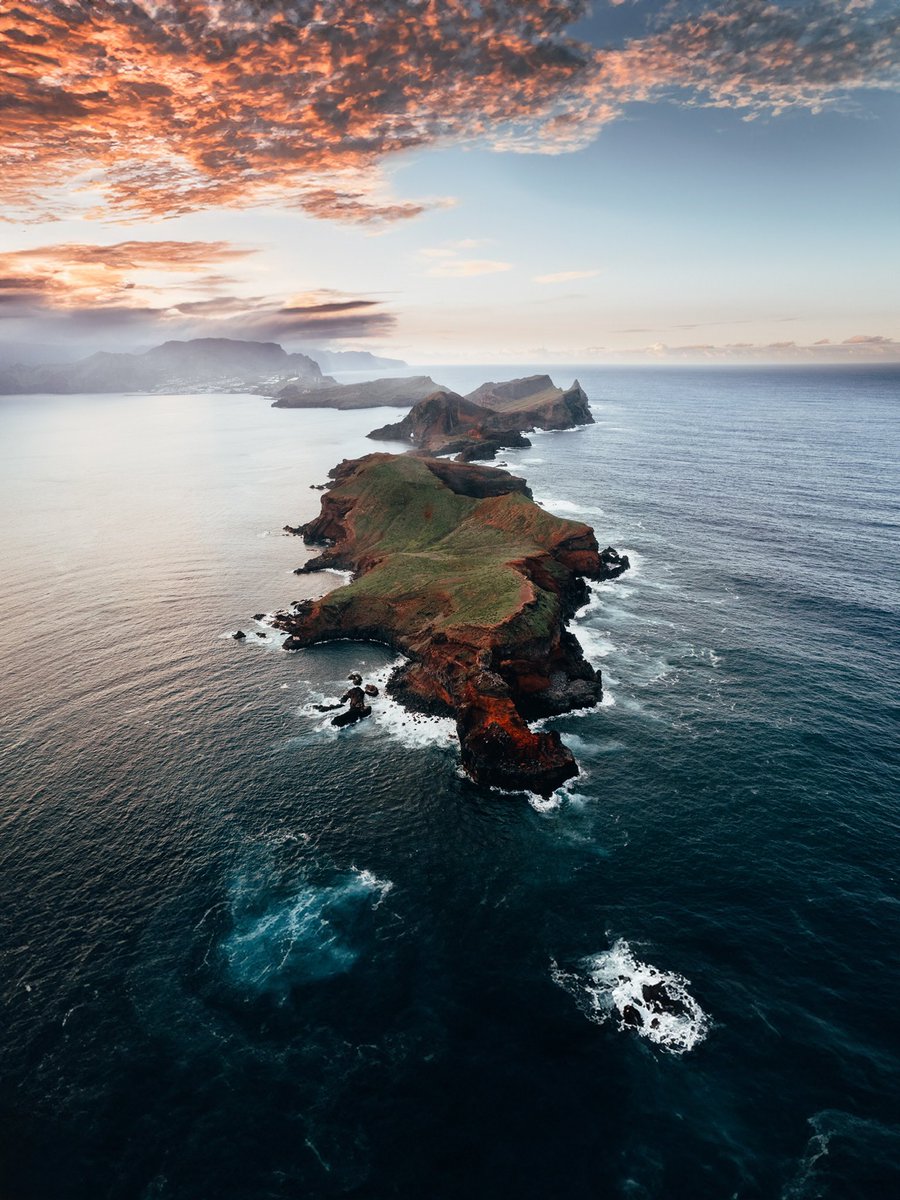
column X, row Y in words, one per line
column 457, row 568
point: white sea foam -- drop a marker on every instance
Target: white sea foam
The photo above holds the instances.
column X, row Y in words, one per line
column 553, row 504
column 595, row 643
column 311, row 935
column 372, row 883
column 656, row 1004
column 414, row 730
column 545, row 804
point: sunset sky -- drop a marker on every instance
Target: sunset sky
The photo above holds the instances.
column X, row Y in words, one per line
column 510, row 180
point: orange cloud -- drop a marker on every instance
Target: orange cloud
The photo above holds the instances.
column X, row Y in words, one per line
column 78, row 287
column 168, row 106
column 73, row 274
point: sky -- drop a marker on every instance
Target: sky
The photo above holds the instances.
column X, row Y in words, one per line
column 454, row 180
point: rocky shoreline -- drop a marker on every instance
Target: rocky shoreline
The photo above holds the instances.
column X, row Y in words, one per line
column 457, row 568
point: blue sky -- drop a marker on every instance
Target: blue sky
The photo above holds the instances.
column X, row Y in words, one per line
column 727, row 190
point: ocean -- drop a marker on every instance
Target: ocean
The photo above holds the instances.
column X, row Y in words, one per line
column 246, row 957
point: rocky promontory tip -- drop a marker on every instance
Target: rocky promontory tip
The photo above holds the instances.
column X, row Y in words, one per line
column 457, row 568
column 536, row 402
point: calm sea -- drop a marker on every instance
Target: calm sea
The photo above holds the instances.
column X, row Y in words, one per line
column 245, row 957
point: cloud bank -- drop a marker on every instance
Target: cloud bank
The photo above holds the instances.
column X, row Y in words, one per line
column 157, row 289
column 164, row 107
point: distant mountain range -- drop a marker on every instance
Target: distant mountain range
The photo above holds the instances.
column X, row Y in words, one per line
column 199, row 365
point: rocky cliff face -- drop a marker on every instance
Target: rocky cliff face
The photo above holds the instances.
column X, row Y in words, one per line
column 456, row 567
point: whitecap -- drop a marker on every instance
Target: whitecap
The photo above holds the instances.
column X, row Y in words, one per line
column 552, row 504
column 545, row 804
column 595, row 644
column 653, row 1003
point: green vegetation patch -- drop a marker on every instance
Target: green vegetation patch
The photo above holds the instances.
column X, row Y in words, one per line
column 445, row 559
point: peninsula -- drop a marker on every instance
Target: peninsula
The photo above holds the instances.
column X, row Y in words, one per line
column 458, row 569
column 371, row 393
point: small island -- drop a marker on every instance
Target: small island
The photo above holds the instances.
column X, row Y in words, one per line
column 492, row 418
column 458, row 569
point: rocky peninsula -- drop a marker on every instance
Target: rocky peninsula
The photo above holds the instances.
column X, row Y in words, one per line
column 457, row 568
column 372, row 393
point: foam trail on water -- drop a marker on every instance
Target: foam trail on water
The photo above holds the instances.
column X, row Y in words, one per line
column 567, row 507
column 277, row 943
column 414, row 730
column 653, row 1003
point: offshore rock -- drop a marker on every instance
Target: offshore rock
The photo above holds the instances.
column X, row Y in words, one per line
column 613, row 563
column 456, row 567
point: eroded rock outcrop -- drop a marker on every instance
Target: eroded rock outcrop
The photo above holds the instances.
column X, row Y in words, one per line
column 456, row 567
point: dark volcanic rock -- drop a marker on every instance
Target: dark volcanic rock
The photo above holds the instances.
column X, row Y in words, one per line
column 613, row 563
column 433, row 418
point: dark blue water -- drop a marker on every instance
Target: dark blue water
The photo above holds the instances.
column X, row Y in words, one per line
column 245, row 958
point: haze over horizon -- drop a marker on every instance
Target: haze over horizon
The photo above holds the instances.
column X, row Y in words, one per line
column 540, row 181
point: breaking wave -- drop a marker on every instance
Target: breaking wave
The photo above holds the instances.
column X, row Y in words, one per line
column 614, row 985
